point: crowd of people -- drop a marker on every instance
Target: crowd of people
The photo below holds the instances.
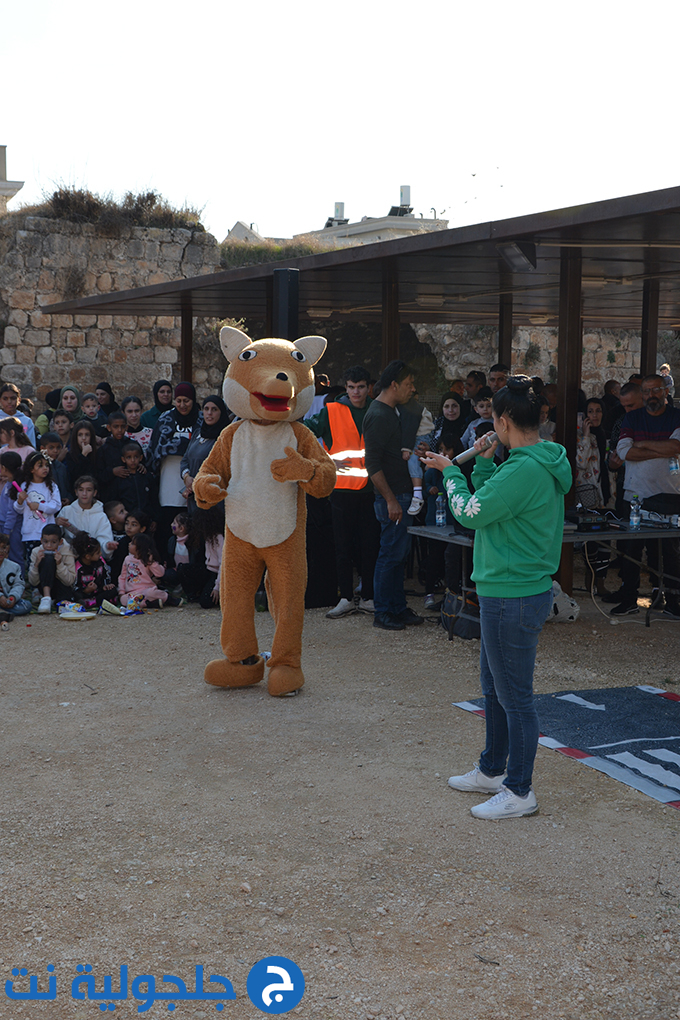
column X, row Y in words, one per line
column 96, row 500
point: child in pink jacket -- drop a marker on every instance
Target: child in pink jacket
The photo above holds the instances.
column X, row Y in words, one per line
column 139, row 572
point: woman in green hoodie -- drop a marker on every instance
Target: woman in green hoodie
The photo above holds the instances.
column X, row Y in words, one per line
column 517, row 511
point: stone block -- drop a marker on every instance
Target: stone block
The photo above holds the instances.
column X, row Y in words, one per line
column 84, row 321
column 151, row 250
column 47, row 298
column 63, row 321
column 75, row 338
column 104, row 356
column 200, row 376
column 77, row 375
column 19, row 374
column 141, row 355
column 47, row 280
column 105, row 321
column 171, row 252
column 22, row 299
column 125, row 321
column 86, row 355
column 104, row 283
column 165, row 355
column 17, row 317
column 135, row 249
column 146, row 321
column 8, row 355
column 157, row 277
column 120, row 356
column 140, row 338
column 40, row 320
column 25, row 355
column 193, row 253
column 37, row 337
column 46, row 356
column 93, row 337
column 66, row 356
column 90, row 282
column 111, row 337
column 165, row 322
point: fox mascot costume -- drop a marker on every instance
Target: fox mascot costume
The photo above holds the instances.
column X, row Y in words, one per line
column 262, row 466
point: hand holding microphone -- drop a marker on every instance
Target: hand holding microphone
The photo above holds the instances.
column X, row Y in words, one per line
column 486, row 446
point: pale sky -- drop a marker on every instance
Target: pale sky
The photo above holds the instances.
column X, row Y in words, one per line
column 271, row 112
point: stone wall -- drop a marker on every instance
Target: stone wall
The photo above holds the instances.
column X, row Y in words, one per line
column 607, row 353
column 44, row 261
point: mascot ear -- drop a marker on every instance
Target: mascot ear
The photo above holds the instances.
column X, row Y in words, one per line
column 233, row 341
column 312, row 347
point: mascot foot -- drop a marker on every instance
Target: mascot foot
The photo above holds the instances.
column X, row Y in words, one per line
column 223, row 673
column 284, row 680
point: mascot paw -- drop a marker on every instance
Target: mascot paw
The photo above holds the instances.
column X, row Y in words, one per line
column 208, row 490
column 292, row 468
column 222, row 673
column 284, row 680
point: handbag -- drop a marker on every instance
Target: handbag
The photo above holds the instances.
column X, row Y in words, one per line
column 460, row 614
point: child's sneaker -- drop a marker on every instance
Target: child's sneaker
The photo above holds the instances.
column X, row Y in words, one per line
column 45, row 604
column 416, row 506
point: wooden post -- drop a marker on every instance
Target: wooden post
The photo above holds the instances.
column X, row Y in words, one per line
column 285, row 303
column 505, row 325
column 390, row 312
column 650, row 326
column 187, row 339
column 569, row 357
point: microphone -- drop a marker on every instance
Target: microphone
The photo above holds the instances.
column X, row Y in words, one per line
column 466, row 455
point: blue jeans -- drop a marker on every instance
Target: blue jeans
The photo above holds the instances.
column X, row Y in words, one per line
column 395, row 543
column 20, row 608
column 510, row 629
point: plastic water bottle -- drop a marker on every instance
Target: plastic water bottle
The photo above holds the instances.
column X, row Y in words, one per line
column 673, row 465
column 440, row 510
column 635, row 515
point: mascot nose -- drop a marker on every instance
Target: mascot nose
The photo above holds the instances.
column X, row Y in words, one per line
column 282, row 375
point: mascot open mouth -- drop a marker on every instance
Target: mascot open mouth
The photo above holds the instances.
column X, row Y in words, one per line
column 273, row 403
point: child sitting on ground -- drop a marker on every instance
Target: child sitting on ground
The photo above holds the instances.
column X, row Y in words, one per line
column 12, row 602
column 52, row 569
column 117, row 515
column 484, row 411
column 51, row 445
column 93, row 578
column 136, row 523
column 38, row 501
column 136, row 488
column 10, row 520
column 87, row 514
column 140, row 571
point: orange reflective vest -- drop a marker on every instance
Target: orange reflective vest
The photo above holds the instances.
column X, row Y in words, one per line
column 348, row 446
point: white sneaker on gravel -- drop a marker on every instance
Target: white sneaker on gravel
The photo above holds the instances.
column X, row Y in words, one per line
column 45, row 604
column 366, row 606
column 477, row 782
column 506, row 804
column 343, row 608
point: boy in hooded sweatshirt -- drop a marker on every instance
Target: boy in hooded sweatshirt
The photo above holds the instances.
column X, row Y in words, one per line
column 87, row 514
column 109, row 457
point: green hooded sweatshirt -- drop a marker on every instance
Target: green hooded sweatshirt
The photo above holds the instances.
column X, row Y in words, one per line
column 518, row 512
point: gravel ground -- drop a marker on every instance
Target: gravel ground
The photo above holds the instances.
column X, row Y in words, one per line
column 150, row 820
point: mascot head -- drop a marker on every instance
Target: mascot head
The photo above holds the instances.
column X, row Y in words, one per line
column 269, row 380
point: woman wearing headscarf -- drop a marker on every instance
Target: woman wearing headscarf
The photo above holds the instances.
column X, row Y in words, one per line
column 215, row 418
column 449, row 422
column 162, row 401
column 169, row 443
column 69, row 400
column 106, row 398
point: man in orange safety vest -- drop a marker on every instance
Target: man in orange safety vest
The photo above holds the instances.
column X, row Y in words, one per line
column 355, row 529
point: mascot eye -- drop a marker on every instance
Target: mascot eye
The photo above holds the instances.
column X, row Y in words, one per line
column 298, row 355
column 247, row 355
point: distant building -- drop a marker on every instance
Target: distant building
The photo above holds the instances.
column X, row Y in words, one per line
column 338, row 232
column 8, row 189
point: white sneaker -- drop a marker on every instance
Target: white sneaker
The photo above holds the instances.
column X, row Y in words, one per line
column 507, row 804
column 45, row 604
column 430, row 601
column 366, row 606
column 476, row 782
column 416, row 505
column 343, row 608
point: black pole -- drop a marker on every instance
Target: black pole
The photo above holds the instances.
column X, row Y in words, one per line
column 285, row 303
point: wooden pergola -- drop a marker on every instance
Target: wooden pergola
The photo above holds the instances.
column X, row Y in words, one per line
column 612, row 264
